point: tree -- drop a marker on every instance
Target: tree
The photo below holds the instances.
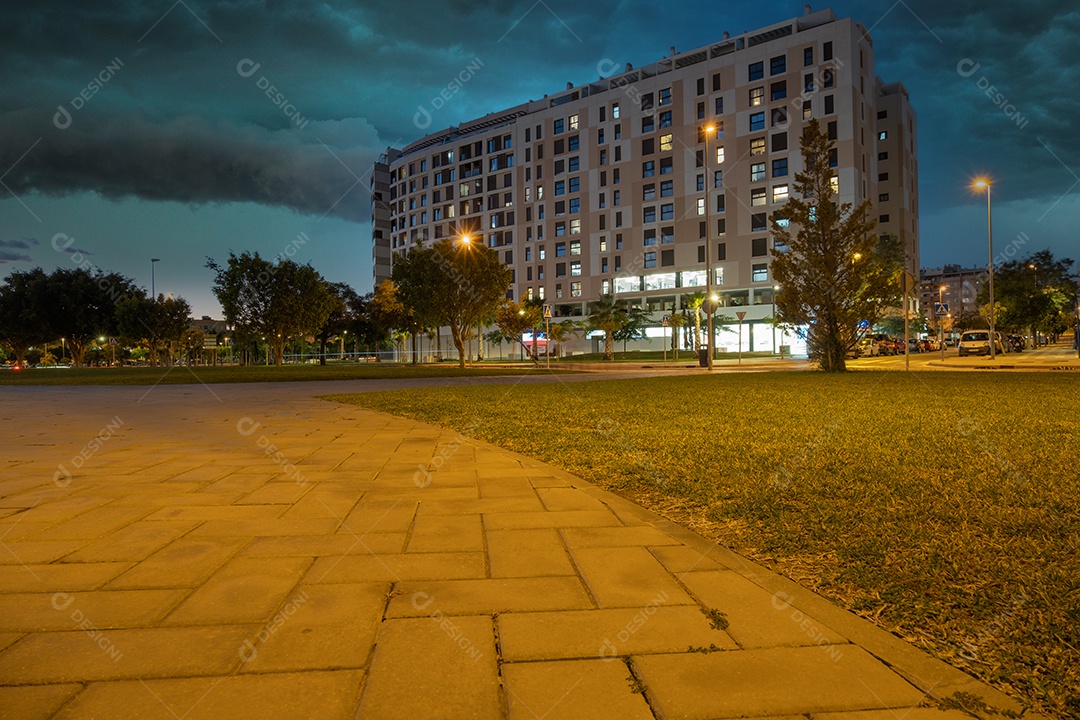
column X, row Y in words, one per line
column 340, row 318
column 191, row 342
column 450, row 285
column 513, row 319
column 157, row 323
column 79, row 305
column 279, row 300
column 677, row 321
column 607, row 315
column 1032, row 293
column 834, row 273
column 694, row 302
column 388, row 312
column 20, row 325
column 635, row 319
column 560, row 332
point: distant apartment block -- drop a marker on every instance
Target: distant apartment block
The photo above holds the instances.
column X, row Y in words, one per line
column 606, row 187
column 958, row 287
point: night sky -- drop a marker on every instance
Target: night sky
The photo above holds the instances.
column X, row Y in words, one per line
column 131, row 130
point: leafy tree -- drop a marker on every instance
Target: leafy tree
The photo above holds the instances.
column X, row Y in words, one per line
column 191, row 342
column 20, row 325
column 1032, row 293
column 513, row 319
column 388, row 312
column 964, row 321
column 834, row 273
column 635, row 320
column 606, row 314
column 340, row 318
column 453, row 286
column 279, row 300
column 79, row 305
column 158, row 323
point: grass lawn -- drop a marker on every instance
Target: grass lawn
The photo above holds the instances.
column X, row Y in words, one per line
column 945, row 507
column 686, row 357
column 239, row 374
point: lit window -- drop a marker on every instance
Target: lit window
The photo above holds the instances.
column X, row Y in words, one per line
column 779, row 193
column 757, row 197
column 757, row 172
column 614, row 111
column 665, row 142
column 575, row 268
column 883, row 135
column 701, row 206
column 575, row 289
column 573, row 122
column 575, row 226
column 757, row 96
column 720, row 155
column 834, row 183
column 575, row 247
column 760, row 273
column 757, row 146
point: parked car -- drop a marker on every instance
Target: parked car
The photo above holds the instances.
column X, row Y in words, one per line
column 868, row 347
column 974, row 342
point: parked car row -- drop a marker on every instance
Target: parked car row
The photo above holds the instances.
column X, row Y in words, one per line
column 977, row 342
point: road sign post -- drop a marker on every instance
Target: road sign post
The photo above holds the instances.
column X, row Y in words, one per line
column 740, row 314
column 547, row 335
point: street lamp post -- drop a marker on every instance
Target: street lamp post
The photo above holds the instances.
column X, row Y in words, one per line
column 153, row 289
column 709, row 129
column 984, row 184
column 940, row 327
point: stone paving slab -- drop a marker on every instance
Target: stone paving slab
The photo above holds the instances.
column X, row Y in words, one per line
column 376, row 567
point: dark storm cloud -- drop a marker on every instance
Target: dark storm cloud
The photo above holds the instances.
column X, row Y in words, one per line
column 192, row 160
column 21, row 244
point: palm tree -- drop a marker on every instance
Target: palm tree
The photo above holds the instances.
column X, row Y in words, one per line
column 694, row 302
column 677, row 320
column 560, row 332
column 608, row 316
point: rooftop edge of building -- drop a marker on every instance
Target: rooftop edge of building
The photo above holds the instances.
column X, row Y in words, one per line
column 674, row 61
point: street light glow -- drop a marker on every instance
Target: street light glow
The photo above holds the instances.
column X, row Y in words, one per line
column 981, row 183
column 466, row 239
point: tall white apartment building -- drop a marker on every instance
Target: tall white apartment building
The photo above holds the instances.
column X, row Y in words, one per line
column 614, row 186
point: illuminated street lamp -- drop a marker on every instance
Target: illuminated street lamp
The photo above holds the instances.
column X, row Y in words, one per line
column 708, row 130
column 984, row 184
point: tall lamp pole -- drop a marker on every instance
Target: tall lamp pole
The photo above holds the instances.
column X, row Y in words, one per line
column 153, row 289
column 709, row 129
column 984, row 184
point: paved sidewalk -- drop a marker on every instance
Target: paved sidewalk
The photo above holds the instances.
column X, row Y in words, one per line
column 249, row 551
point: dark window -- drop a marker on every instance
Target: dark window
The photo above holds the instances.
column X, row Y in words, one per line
column 883, row 218
column 826, row 51
column 716, row 82
column 701, row 253
column 777, row 65
column 829, row 106
column 808, row 56
column 779, row 167
column 779, row 142
column 832, row 130
column 757, row 121
column 778, row 90
column 648, row 146
column 721, row 227
column 756, row 71
column 882, row 177
column 667, row 257
column 719, row 106
column 779, row 116
column 882, row 114
column 759, row 246
column 721, row 251
column 701, row 86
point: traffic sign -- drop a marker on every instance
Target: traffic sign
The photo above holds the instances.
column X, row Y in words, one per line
column 741, row 314
column 547, row 312
column 941, row 308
